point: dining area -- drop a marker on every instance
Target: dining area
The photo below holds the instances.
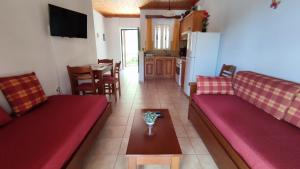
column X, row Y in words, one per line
column 102, row 78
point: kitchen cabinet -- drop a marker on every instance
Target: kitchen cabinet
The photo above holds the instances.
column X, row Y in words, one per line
column 149, row 67
column 192, row 22
column 159, row 67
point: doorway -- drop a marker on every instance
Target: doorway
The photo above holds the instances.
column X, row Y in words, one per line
column 130, row 48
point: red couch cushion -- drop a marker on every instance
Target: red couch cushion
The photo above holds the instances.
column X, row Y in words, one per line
column 47, row 136
column 272, row 95
column 293, row 114
column 23, row 92
column 4, row 117
column 214, row 85
column 263, row 142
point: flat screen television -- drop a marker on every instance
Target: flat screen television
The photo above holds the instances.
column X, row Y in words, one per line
column 67, row 23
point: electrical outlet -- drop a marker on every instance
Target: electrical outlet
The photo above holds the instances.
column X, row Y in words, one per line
column 58, row 90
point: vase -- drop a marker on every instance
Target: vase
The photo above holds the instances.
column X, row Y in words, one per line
column 150, row 126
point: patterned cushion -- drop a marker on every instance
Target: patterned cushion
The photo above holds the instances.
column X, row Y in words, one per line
column 272, row 95
column 4, row 117
column 293, row 114
column 214, row 85
column 22, row 92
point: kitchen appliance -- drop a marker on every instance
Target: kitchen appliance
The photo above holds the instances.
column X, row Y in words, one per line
column 178, row 71
column 201, row 57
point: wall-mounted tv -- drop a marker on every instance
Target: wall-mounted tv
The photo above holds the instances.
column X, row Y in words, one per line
column 67, row 23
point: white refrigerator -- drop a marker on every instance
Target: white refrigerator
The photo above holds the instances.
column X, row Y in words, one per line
column 201, row 57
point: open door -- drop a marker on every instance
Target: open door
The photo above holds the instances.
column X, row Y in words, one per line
column 130, row 48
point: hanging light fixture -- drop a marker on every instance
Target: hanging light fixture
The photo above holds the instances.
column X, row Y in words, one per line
column 169, row 13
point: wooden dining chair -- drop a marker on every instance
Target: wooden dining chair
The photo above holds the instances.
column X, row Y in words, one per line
column 112, row 83
column 227, row 70
column 105, row 61
column 82, row 79
column 109, row 61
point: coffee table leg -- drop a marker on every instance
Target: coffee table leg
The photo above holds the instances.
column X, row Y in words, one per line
column 175, row 162
column 132, row 163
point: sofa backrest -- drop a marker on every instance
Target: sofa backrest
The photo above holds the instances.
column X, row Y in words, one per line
column 272, row 95
column 293, row 113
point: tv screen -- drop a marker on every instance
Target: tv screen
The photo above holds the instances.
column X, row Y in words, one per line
column 67, row 23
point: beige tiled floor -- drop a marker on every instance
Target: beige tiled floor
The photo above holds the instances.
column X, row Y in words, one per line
column 110, row 148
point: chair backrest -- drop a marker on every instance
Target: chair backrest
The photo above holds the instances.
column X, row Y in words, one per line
column 78, row 73
column 117, row 69
column 227, row 70
column 105, row 61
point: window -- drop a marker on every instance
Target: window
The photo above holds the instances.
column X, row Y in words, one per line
column 162, row 36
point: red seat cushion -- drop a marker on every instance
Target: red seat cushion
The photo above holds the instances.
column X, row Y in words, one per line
column 46, row 137
column 23, row 92
column 109, row 79
column 4, row 117
column 263, row 141
column 85, row 86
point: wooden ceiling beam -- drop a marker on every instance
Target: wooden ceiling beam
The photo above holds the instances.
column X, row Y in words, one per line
column 163, row 17
column 121, row 15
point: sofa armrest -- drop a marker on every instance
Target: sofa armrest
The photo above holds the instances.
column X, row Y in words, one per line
column 193, row 88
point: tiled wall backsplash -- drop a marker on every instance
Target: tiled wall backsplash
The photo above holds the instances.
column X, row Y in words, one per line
column 163, row 52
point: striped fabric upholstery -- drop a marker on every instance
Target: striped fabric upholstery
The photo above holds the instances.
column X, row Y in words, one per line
column 272, row 95
column 214, row 85
column 22, row 92
column 293, row 114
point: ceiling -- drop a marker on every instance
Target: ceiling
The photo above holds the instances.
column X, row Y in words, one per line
column 131, row 8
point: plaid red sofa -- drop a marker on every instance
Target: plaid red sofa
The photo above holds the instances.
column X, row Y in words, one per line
column 54, row 135
column 257, row 127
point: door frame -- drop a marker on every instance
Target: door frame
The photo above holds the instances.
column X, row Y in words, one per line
column 122, row 50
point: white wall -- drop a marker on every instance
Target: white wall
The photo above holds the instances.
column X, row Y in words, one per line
column 26, row 46
column 256, row 37
column 113, row 28
column 99, row 31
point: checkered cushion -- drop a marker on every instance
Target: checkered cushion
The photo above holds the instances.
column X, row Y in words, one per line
column 293, row 114
column 214, row 85
column 272, row 95
column 22, row 92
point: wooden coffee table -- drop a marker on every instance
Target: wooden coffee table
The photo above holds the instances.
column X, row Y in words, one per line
column 160, row 148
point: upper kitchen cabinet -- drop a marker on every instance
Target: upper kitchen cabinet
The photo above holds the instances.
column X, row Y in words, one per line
column 192, row 22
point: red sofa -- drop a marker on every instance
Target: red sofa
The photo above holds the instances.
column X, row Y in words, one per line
column 252, row 128
column 56, row 134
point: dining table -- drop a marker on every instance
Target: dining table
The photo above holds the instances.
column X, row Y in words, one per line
column 99, row 70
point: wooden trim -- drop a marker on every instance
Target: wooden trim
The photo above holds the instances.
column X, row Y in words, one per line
column 107, row 15
column 77, row 158
column 162, row 16
column 149, row 40
column 220, row 149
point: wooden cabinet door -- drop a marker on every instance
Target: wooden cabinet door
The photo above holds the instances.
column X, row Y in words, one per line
column 169, row 68
column 149, row 68
column 159, row 67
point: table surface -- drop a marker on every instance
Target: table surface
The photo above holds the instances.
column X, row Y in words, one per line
column 163, row 142
column 101, row 66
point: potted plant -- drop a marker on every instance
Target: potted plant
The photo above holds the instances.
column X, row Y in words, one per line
column 205, row 21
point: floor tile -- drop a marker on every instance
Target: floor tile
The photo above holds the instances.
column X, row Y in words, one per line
column 190, row 162
column 112, row 132
column 101, row 162
column 180, row 131
column 191, row 131
column 117, row 121
column 123, row 147
column 186, row 146
column 108, row 146
column 198, row 146
column 207, row 162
